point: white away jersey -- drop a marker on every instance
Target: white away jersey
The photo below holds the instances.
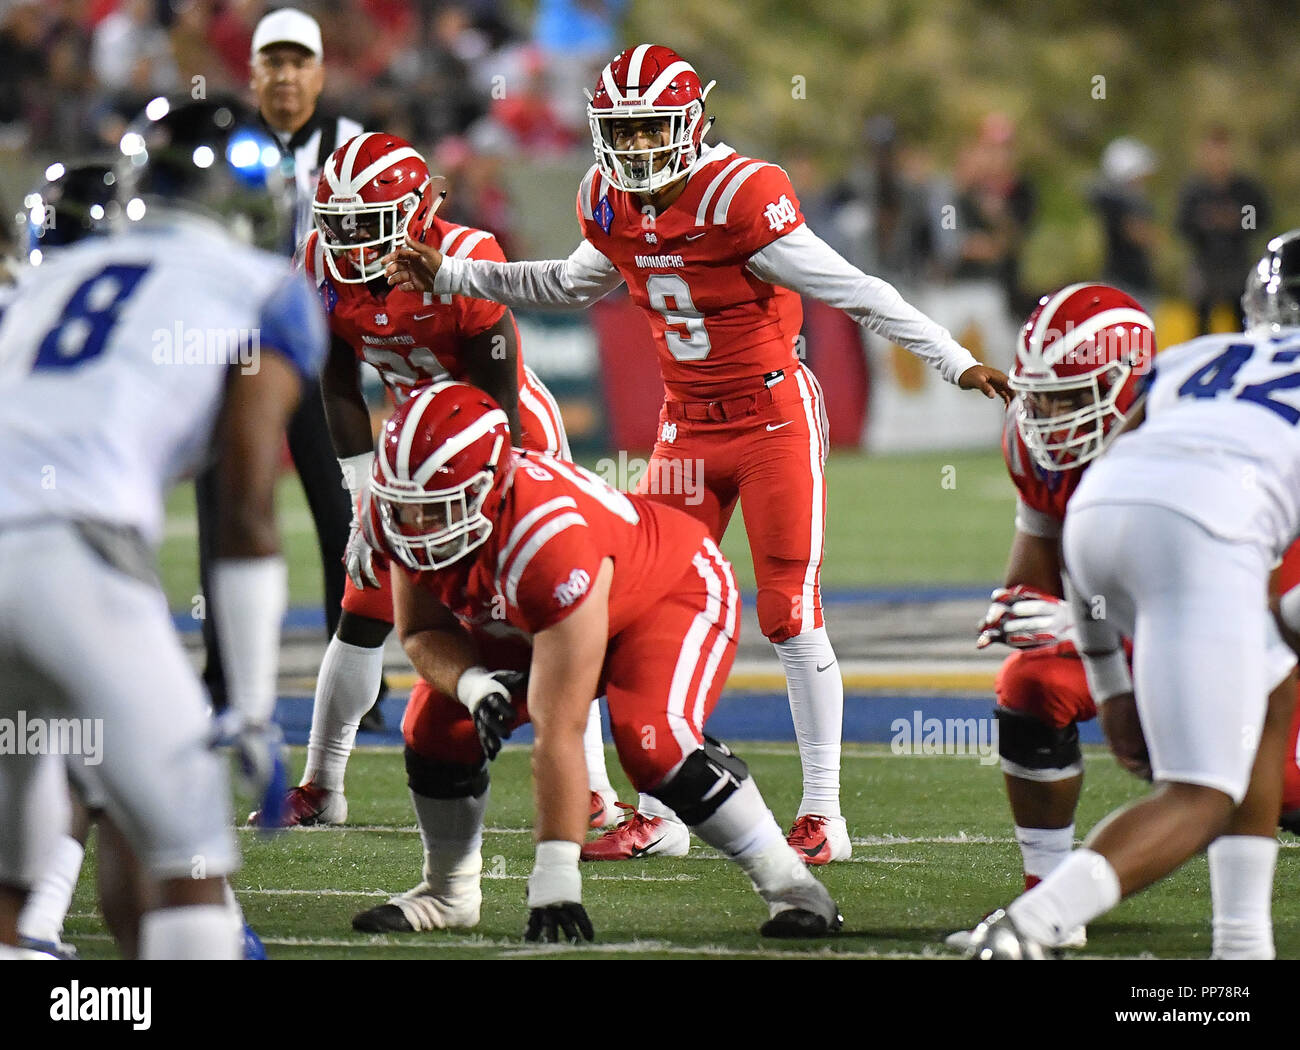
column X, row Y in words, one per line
column 113, row 362
column 1221, row 440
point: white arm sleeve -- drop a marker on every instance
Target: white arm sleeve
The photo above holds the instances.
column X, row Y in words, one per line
column 1101, row 648
column 1033, row 522
column 804, row 263
column 555, row 284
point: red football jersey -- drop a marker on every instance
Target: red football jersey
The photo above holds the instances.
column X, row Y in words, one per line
column 1046, row 491
column 714, row 322
column 555, row 526
column 412, row 339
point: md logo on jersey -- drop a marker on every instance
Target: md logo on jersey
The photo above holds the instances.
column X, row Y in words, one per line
column 381, row 319
column 604, row 214
column 573, row 588
column 669, row 433
column 779, row 214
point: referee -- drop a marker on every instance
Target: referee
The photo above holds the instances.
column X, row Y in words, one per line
column 287, row 75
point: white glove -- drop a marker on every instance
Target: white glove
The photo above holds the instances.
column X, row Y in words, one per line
column 1024, row 618
column 358, row 558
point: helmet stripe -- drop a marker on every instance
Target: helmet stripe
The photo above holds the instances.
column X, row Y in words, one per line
column 386, row 161
column 350, row 159
column 458, row 443
column 607, row 78
column 332, row 175
column 634, row 66
column 1044, row 325
column 713, row 188
column 1082, row 333
column 724, row 201
column 665, row 78
column 410, row 428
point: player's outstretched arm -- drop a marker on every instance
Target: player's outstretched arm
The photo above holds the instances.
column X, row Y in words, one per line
column 562, row 284
column 804, row 263
column 492, row 364
column 566, row 665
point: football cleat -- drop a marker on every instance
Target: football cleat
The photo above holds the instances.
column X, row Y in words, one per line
column 997, row 938
column 254, row 949
column 639, row 836
column 308, row 804
column 962, row 940
column 422, row 909
column 820, row 840
column 799, row 905
column 604, row 809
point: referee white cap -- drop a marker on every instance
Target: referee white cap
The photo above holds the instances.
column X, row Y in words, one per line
column 288, row 25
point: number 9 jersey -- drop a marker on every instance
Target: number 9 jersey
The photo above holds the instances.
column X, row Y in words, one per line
column 713, row 320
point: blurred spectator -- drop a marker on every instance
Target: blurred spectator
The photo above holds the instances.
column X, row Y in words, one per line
column 477, row 195
column 1219, row 212
column 22, row 72
column 131, row 54
column 1121, row 198
column 526, row 109
column 67, row 92
column 576, row 39
column 231, row 35
column 996, row 205
column 436, row 74
column 190, row 31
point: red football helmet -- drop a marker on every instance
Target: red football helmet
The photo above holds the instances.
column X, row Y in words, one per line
column 440, row 471
column 368, row 190
column 1078, row 368
column 645, row 82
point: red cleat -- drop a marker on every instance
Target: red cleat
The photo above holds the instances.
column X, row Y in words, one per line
column 308, row 804
column 820, row 840
column 639, row 836
column 604, row 809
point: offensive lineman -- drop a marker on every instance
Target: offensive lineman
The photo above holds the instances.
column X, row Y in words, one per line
column 714, row 249
column 103, row 411
column 598, row 587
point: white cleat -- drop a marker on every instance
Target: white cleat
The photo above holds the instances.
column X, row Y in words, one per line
column 604, row 809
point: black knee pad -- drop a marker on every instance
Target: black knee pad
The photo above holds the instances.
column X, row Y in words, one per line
column 434, row 779
column 704, row 782
column 1027, row 742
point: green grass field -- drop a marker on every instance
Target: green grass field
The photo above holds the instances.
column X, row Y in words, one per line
column 926, row 518
column 932, row 853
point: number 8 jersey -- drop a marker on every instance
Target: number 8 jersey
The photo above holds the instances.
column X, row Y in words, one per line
column 713, row 319
column 1220, row 443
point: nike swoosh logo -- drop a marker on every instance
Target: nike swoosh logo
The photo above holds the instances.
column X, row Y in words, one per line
column 640, row 851
column 695, row 236
column 423, row 317
column 778, row 426
column 826, row 668
column 814, row 850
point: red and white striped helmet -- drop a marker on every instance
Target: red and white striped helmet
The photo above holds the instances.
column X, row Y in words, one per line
column 646, row 82
column 368, row 190
column 1079, row 367
column 439, row 474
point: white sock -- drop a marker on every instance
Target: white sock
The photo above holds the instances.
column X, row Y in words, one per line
column 1083, row 886
column 346, row 686
column 593, row 746
column 649, row 806
column 742, row 827
column 47, row 904
column 1043, row 849
column 1241, row 887
column 452, row 832
column 196, row 931
column 817, row 707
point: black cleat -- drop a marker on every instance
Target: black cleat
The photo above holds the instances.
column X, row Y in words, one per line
column 796, row 922
column 387, row 918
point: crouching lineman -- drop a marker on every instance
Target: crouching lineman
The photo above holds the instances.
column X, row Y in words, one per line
column 1169, row 540
column 372, row 190
column 102, row 411
column 620, row 596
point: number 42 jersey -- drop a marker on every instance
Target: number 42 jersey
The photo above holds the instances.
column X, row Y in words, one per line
column 1221, row 440
column 114, row 357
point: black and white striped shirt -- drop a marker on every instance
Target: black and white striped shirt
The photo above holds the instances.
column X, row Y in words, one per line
column 311, row 146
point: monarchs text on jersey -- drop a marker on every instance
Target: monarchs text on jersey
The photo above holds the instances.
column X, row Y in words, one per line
column 713, row 320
